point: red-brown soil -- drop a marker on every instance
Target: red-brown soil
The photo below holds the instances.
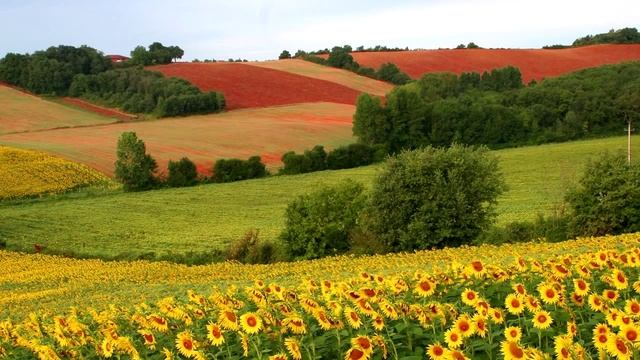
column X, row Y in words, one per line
column 98, row 109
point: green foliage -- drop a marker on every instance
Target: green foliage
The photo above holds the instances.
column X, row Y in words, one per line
column 621, row 36
column 51, row 71
column 140, row 91
column 391, row 73
column 156, row 54
column 434, row 197
column 340, row 57
column 473, row 45
column 608, row 199
column 284, row 55
column 319, row 224
column 354, row 155
column 182, row 173
column 495, row 109
column 250, row 249
column 229, row 170
column 134, row 168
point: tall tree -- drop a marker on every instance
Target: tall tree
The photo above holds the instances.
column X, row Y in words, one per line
column 134, row 168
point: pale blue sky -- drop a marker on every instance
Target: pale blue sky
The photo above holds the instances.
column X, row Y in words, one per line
column 260, row 29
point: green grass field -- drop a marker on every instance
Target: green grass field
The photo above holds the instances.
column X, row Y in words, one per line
column 209, row 216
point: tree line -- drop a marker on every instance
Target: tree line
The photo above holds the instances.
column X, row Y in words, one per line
column 620, row 36
column 155, row 54
column 496, row 109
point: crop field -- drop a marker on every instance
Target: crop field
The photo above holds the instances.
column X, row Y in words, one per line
column 247, row 86
column 533, row 63
column 26, row 173
column 338, row 76
column 21, row 112
column 577, row 299
column 100, row 110
column 216, row 214
column 268, row 132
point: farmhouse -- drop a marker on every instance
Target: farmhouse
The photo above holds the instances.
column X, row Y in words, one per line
column 117, row 58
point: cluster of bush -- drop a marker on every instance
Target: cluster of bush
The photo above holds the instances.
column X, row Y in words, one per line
column 136, row 169
column 343, row 157
column 140, row 91
column 497, row 110
column 621, row 36
column 470, row 45
column 340, row 57
column 156, row 54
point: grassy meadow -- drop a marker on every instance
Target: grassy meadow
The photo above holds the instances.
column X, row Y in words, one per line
column 208, row 217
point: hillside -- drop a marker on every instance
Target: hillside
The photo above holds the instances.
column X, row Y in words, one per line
column 20, row 112
column 533, row 63
column 268, row 132
column 209, row 216
column 247, row 86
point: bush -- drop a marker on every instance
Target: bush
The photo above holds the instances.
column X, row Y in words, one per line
column 608, row 198
column 319, row 224
column 434, row 197
column 182, row 173
column 352, row 155
column 134, row 168
column 284, row 55
column 228, row 170
column 249, row 249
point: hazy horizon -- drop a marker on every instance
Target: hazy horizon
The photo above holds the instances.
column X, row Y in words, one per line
column 260, row 30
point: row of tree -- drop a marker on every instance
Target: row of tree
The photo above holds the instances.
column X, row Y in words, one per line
column 137, row 90
column 497, row 110
column 621, row 36
column 155, row 54
column 343, row 157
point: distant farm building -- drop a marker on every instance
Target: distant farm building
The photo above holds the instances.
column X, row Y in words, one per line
column 117, row 58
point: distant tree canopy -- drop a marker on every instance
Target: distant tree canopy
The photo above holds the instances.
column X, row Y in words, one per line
column 51, row 71
column 140, row 91
column 156, row 54
column 284, row 55
column 495, row 109
column 621, row 36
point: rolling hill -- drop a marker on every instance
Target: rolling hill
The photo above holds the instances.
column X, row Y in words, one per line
column 533, row 63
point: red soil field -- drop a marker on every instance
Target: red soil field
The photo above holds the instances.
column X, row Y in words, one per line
column 246, row 86
column 98, row 109
column 533, row 63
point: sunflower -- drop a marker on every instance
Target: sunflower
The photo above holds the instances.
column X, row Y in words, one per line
column 453, row 338
column 244, row 342
column 618, row 348
column 295, row 324
column 388, row 310
column 542, row 320
column 185, row 344
column 572, row 328
column 629, row 333
column 601, row 329
column 601, row 341
column 280, row 356
column 562, row 347
column 632, row 307
column 214, row 334
column 168, row 355
column 378, row 323
column 469, row 297
column 106, row 347
column 352, row 318
column 149, row 339
column 356, row 354
column 158, row 323
column 519, row 289
column 363, row 343
column 577, row 299
column 610, row 295
column 251, row 323
column 619, row 280
column 425, row 288
column 293, row 347
column 512, row 351
column 436, row 352
column 595, row 302
column 228, row 320
column 480, row 325
column 532, row 303
column 514, row 304
column 464, row 326
column 581, row 287
column 323, row 320
column 496, row 316
column 513, row 333
column 548, row 294
column 636, row 286
column 476, row 268
column 457, row 355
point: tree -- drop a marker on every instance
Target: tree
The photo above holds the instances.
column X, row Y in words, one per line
column 370, row 123
column 341, row 58
column 182, row 173
column 285, row 55
column 472, row 45
column 319, row 224
column 434, row 197
column 134, row 168
column 391, row 73
column 608, row 198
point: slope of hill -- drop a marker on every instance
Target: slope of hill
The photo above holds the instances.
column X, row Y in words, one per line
column 338, row 76
column 26, row 173
column 268, row 132
column 21, row 112
column 207, row 217
column 247, row 86
column 533, row 63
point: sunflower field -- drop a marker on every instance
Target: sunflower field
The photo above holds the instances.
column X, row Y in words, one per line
column 573, row 300
column 26, row 173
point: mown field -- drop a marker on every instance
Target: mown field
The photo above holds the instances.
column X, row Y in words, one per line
column 20, row 112
column 529, row 300
column 27, row 173
column 210, row 216
column 268, row 132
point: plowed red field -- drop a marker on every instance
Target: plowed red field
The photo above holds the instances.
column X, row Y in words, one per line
column 98, row 109
column 533, row 63
column 246, row 86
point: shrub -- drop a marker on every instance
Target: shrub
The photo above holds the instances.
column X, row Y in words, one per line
column 228, row 170
column 319, row 224
column 182, row 173
column 608, row 198
column 284, row 55
column 134, row 168
column 435, row 197
column 295, row 163
column 249, row 249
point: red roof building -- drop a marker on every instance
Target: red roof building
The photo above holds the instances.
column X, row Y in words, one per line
column 117, row 58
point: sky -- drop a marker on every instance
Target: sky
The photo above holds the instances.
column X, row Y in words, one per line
column 261, row 29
